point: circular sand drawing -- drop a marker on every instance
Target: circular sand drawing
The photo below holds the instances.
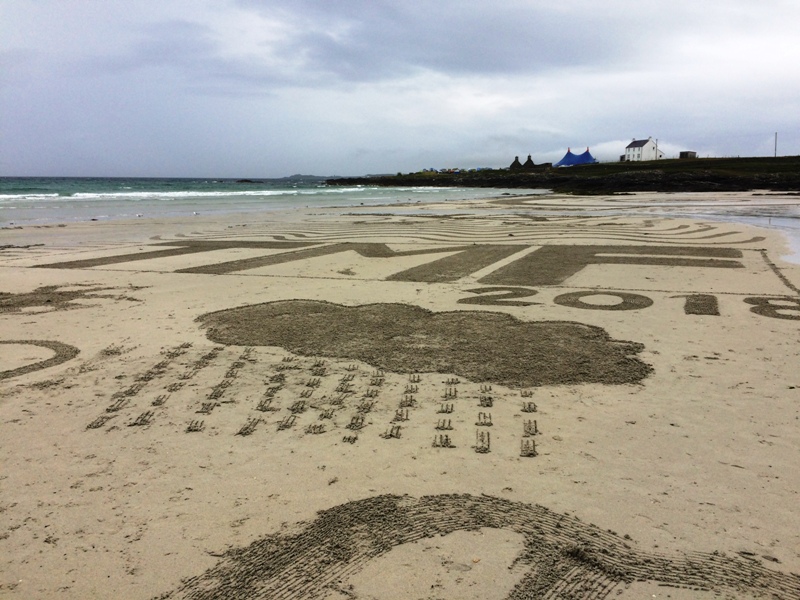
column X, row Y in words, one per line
column 480, row 346
column 63, row 353
column 561, row 557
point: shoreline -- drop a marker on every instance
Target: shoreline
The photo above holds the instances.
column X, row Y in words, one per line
column 410, row 396
column 103, row 200
column 663, row 176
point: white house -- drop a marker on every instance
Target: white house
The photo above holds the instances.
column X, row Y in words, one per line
column 642, row 150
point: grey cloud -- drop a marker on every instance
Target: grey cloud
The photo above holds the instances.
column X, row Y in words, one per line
column 190, row 53
column 383, row 41
column 378, row 41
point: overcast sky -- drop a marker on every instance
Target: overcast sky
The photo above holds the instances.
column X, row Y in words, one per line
column 268, row 88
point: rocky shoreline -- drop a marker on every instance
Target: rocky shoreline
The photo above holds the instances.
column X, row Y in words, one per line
column 700, row 175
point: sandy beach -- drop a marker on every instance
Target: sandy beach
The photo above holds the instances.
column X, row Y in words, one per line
column 556, row 397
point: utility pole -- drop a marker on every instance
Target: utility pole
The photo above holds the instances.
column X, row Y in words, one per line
column 776, row 145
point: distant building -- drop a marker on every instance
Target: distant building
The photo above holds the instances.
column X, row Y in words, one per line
column 687, row 154
column 527, row 166
column 642, row 150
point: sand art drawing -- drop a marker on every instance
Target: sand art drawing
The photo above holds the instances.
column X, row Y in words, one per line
column 481, row 347
column 562, row 557
column 470, row 243
column 334, row 401
column 519, row 228
column 51, row 297
column 524, row 264
column 548, row 265
column 62, row 353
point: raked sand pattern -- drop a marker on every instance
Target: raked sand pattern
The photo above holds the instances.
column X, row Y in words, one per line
column 377, row 406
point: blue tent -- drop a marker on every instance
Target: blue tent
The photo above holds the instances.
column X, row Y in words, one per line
column 571, row 159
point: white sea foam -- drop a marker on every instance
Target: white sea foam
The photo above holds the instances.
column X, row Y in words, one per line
column 152, row 195
column 7, row 197
column 182, row 194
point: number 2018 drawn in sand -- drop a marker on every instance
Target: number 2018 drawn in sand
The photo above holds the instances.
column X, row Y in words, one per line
column 562, row 557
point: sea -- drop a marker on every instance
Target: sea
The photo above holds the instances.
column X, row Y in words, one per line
column 48, row 200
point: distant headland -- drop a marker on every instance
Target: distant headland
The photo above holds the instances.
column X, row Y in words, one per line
column 669, row 175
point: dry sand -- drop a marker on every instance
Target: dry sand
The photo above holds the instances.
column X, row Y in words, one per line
column 333, row 405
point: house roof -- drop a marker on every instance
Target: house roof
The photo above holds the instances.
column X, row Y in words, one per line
column 638, row 143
